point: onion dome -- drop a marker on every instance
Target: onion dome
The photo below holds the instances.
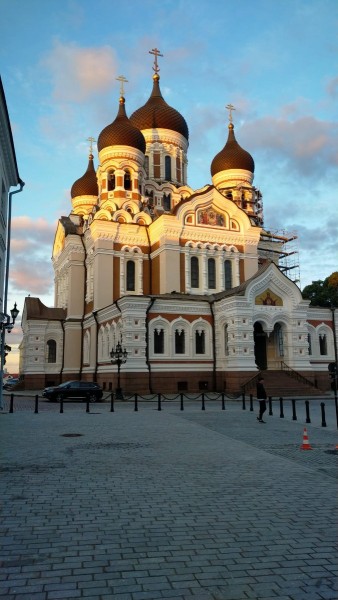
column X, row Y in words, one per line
column 232, row 156
column 87, row 184
column 121, row 132
column 156, row 113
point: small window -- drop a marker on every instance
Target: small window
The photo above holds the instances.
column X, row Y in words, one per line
column 323, row 345
column 166, row 202
column 227, row 275
column 111, row 181
column 159, row 341
column 130, row 276
column 211, row 274
column 127, row 180
column 167, row 168
column 179, row 341
column 200, row 342
column 51, row 351
column 194, row 272
column 309, row 341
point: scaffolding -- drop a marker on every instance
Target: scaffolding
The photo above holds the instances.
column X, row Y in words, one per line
column 282, row 248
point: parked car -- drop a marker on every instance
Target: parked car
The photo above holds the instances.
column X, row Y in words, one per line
column 85, row 390
column 10, row 383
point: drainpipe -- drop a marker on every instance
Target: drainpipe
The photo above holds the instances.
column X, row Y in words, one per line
column 84, row 308
column 8, row 248
column 96, row 345
column 213, row 346
column 63, row 349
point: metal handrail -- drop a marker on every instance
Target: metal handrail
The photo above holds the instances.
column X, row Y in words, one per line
column 296, row 375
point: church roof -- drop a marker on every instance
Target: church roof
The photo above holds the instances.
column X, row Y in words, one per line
column 87, row 184
column 121, row 132
column 232, row 156
column 156, row 113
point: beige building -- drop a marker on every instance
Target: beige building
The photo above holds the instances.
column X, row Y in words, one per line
column 188, row 280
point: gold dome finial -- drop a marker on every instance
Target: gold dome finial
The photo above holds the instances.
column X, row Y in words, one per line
column 230, row 108
column 122, row 80
column 156, row 53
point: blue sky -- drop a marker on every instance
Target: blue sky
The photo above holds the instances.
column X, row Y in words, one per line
column 275, row 61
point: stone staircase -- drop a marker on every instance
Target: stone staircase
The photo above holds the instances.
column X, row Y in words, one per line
column 284, row 384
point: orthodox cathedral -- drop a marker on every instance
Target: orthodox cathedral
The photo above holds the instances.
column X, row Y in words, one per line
column 187, row 281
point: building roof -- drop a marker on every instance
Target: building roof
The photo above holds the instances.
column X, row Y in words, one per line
column 35, row 309
column 232, row 156
column 6, row 141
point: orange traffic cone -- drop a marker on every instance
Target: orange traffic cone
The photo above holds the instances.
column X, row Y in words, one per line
column 306, row 444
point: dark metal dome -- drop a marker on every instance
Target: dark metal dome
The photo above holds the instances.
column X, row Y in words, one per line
column 156, row 113
column 232, row 156
column 87, row 184
column 121, row 132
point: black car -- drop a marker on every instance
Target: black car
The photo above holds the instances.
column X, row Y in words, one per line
column 74, row 389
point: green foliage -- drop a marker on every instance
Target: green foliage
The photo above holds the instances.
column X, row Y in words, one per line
column 323, row 293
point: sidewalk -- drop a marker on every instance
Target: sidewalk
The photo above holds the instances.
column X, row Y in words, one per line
column 148, row 504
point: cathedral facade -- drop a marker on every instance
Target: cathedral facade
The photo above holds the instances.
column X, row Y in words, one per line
column 188, row 281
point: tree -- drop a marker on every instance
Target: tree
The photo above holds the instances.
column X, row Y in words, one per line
column 323, row 293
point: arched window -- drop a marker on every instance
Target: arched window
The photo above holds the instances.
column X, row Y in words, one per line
column 323, row 344
column 227, row 274
column 158, row 341
column 51, row 351
column 200, row 342
column 179, row 341
column 167, row 168
column 111, row 181
column 194, row 272
column 130, row 276
column 211, row 274
column 127, row 180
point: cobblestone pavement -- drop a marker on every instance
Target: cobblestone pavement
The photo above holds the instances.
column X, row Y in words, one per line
column 148, row 504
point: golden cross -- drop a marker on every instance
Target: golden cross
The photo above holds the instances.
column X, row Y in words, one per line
column 230, row 109
column 91, row 140
column 122, row 80
column 156, row 53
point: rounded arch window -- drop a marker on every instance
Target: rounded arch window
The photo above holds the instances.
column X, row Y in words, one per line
column 111, row 181
column 51, row 351
column 127, row 180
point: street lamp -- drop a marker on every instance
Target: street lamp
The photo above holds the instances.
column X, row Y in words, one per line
column 118, row 357
column 6, row 324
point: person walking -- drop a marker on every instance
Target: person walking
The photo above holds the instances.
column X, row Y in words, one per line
column 261, row 397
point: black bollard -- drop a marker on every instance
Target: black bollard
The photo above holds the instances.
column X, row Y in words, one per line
column 36, row 410
column 112, row 402
column 136, row 405
column 87, row 407
column 61, row 405
column 251, row 402
column 159, row 402
column 203, row 403
column 270, row 406
column 11, row 405
column 322, row 406
column 294, row 416
column 307, row 408
column 243, row 401
column 223, row 401
column 281, row 408
column 182, row 406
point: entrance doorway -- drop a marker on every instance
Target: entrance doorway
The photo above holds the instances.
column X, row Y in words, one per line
column 260, row 346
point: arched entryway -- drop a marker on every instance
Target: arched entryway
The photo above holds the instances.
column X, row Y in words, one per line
column 260, row 346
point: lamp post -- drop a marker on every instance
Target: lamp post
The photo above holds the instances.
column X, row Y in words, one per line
column 118, row 357
column 6, row 324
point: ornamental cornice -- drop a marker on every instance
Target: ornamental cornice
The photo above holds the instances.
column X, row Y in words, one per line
column 223, row 236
